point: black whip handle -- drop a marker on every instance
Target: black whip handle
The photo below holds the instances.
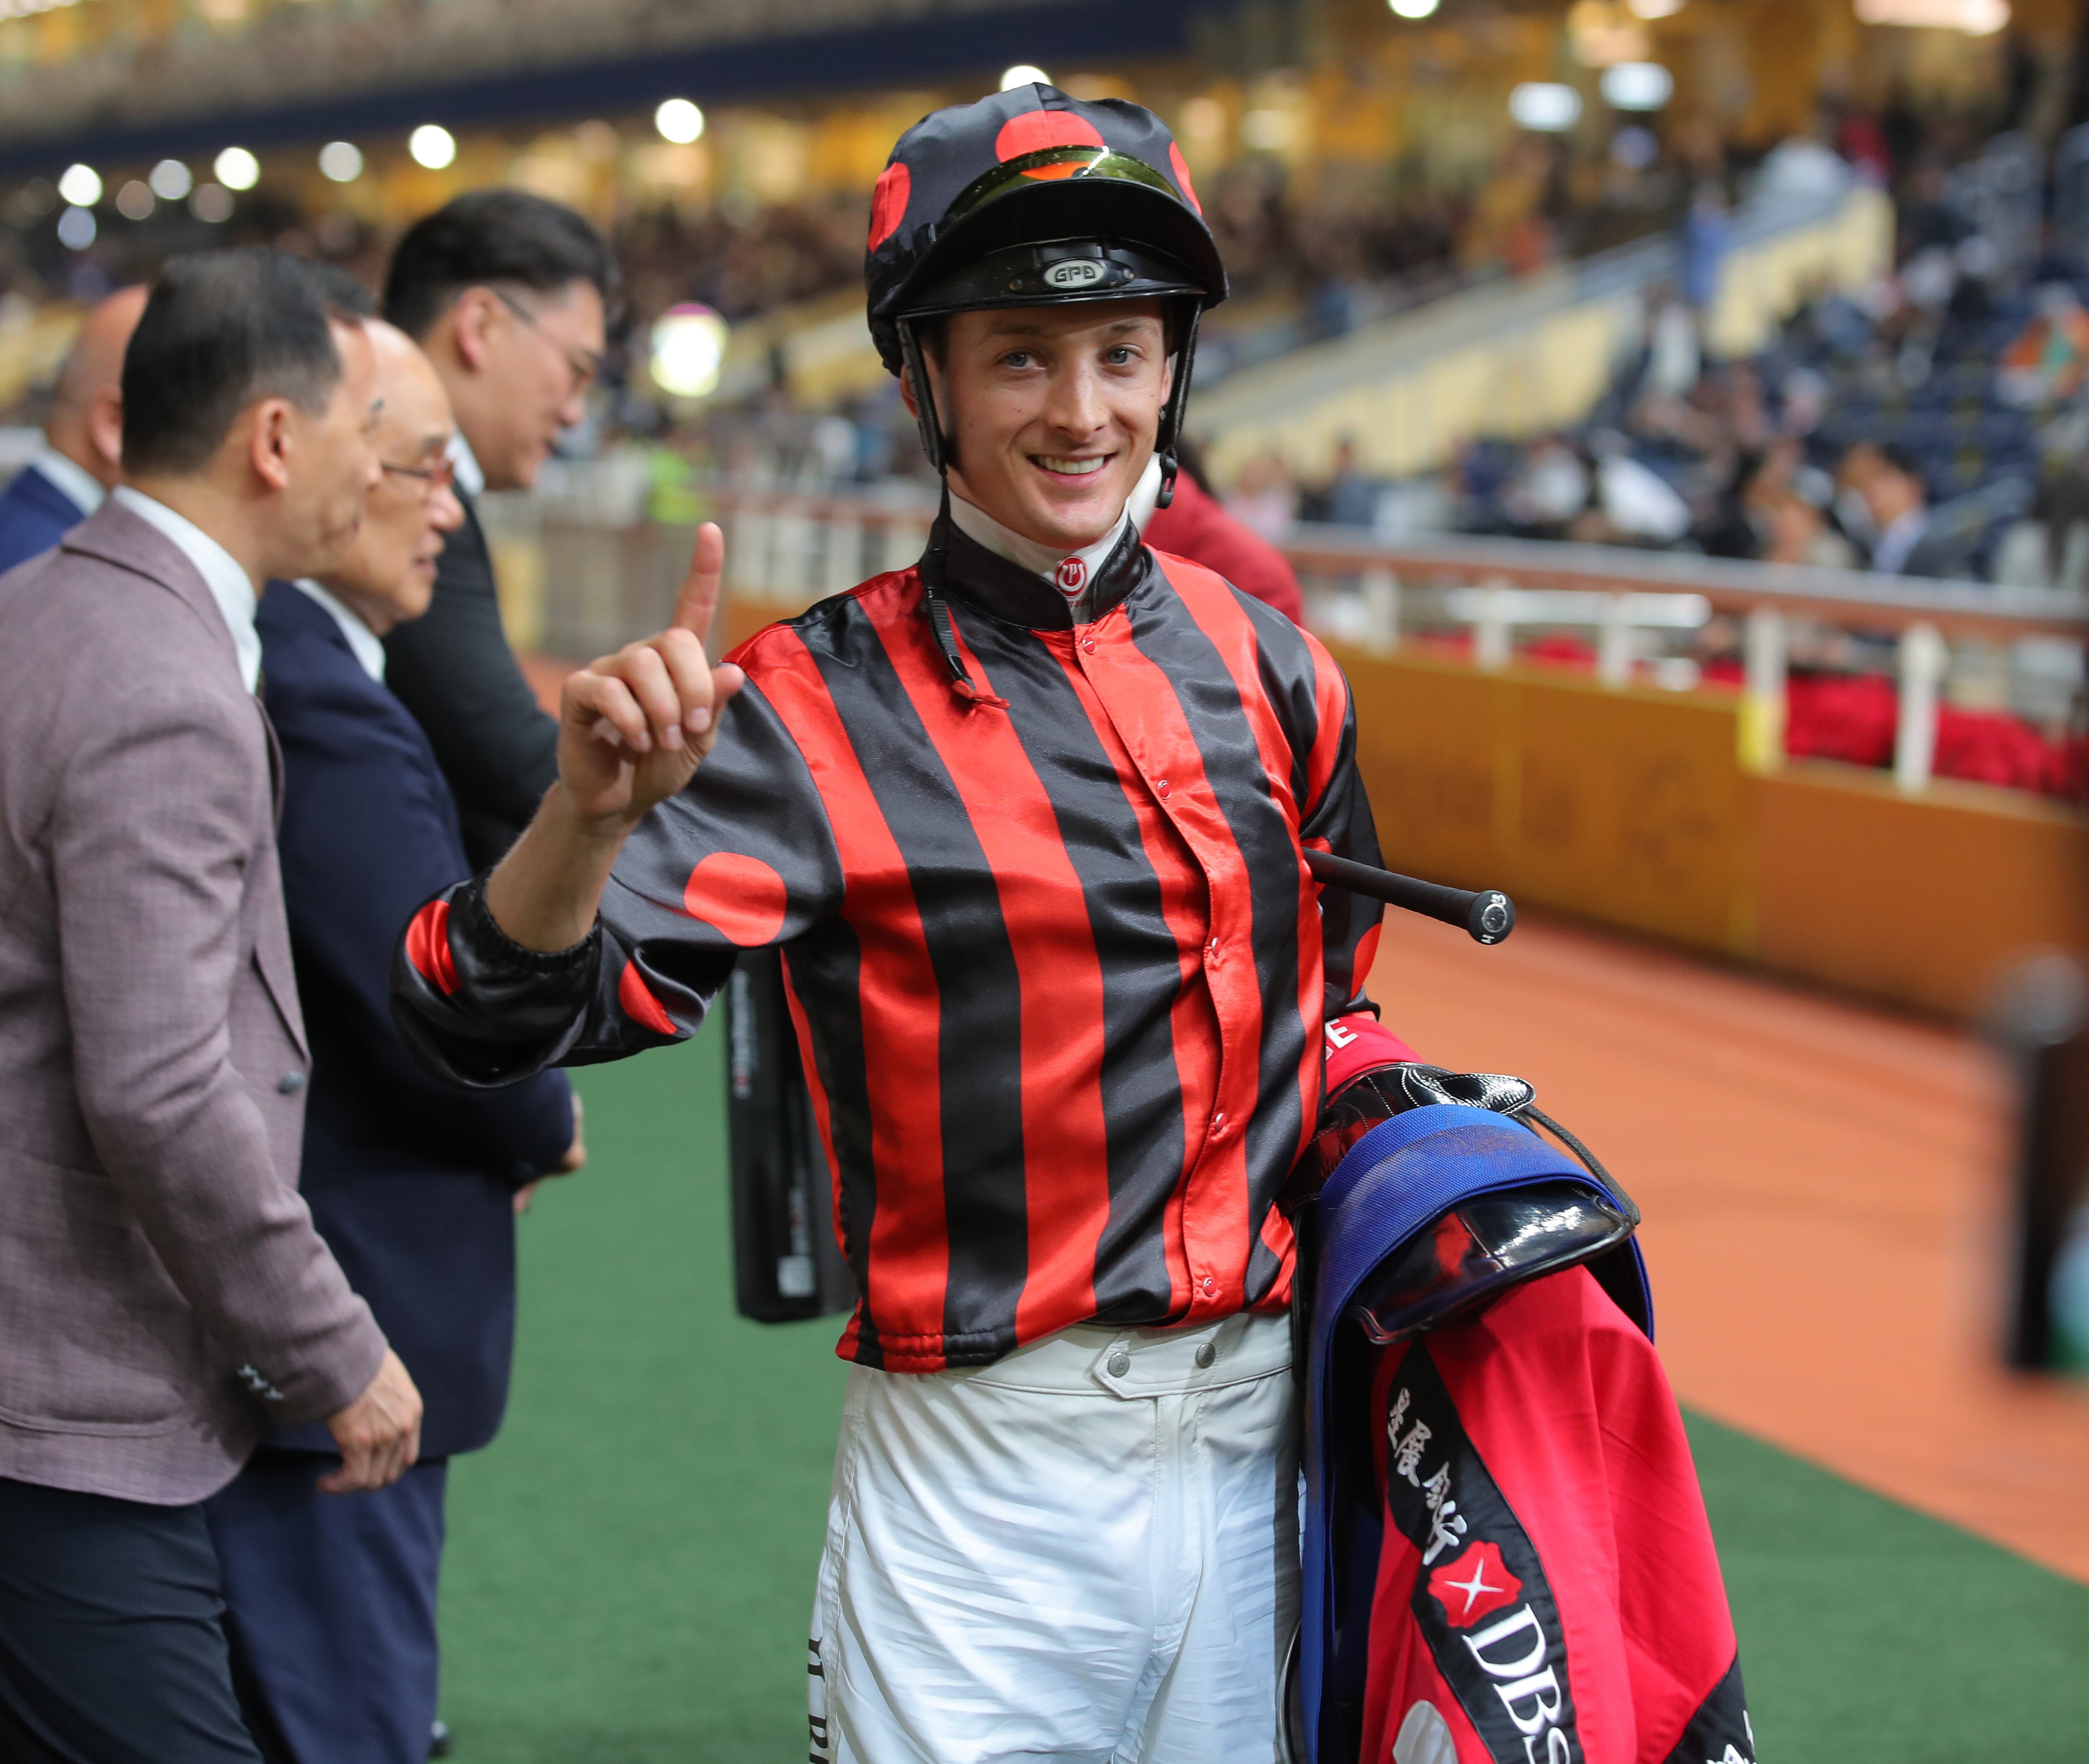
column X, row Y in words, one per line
column 1488, row 915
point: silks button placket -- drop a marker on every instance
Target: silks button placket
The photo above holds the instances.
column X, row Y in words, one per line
column 1220, row 1128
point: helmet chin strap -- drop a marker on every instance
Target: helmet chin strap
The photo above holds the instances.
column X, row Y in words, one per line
column 925, row 418
column 1188, row 313
column 935, row 562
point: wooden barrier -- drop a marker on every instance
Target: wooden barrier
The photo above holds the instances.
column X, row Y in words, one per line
column 1632, row 808
column 1920, row 899
column 1627, row 807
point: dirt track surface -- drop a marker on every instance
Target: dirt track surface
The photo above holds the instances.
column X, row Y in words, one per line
column 1824, row 1192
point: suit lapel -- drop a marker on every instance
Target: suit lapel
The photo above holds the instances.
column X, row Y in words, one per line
column 279, row 975
column 474, row 535
column 272, row 948
column 117, row 536
column 275, row 759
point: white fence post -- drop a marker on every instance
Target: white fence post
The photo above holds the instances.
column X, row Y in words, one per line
column 1761, row 735
column 1492, row 636
column 734, row 529
column 1923, row 657
column 1614, row 644
column 1381, row 592
column 792, row 567
column 748, row 560
column 844, row 558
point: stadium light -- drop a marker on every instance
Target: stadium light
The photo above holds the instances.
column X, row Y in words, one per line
column 237, row 169
column 341, row 161
column 432, row 146
column 212, row 203
column 1975, row 18
column 687, row 349
column 1545, row 107
column 679, row 121
column 76, row 228
column 1022, row 74
column 134, row 201
column 1413, row 9
column 1637, row 86
column 81, row 186
column 170, row 180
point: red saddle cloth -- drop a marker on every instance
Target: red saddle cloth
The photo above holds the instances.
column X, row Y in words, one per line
column 1547, row 1592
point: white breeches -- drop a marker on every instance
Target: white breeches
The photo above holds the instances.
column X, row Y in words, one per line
column 1087, row 1553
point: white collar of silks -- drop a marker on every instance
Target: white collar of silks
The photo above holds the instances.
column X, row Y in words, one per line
column 1071, row 573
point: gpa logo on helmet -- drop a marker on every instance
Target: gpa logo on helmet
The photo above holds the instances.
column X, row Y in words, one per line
column 1075, row 273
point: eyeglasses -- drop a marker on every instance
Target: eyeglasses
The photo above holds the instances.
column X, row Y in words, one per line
column 585, row 365
column 439, row 476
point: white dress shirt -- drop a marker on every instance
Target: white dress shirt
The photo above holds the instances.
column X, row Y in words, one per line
column 81, row 488
column 470, row 479
column 368, row 647
column 229, row 584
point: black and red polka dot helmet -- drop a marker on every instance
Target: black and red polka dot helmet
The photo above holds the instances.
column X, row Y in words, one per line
column 1032, row 198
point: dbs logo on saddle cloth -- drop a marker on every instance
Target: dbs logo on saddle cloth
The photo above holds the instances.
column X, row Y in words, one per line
column 1481, row 1600
column 1473, row 1585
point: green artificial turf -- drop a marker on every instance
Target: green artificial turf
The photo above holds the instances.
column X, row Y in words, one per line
column 631, row 1564
column 1872, row 1634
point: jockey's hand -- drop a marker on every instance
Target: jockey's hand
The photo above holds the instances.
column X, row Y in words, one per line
column 633, row 727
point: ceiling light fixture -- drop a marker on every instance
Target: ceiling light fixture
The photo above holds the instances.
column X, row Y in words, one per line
column 679, row 121
column 1545, row 107
column 432, row 146
column 237, row 169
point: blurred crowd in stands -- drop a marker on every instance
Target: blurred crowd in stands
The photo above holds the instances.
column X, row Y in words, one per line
column 743, row 261
column 1906, row 430
column 1914, row 428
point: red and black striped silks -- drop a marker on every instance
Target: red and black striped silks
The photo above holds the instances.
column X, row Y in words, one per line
column 1058, row 970
column 1546, row 1590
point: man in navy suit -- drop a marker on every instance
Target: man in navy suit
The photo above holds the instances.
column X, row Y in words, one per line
column 66, row 478
column 415, row 1183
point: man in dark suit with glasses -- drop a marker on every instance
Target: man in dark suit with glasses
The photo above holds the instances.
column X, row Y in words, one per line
column 507, row 293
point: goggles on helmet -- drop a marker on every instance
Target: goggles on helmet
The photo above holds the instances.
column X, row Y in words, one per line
column 1049, row 164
